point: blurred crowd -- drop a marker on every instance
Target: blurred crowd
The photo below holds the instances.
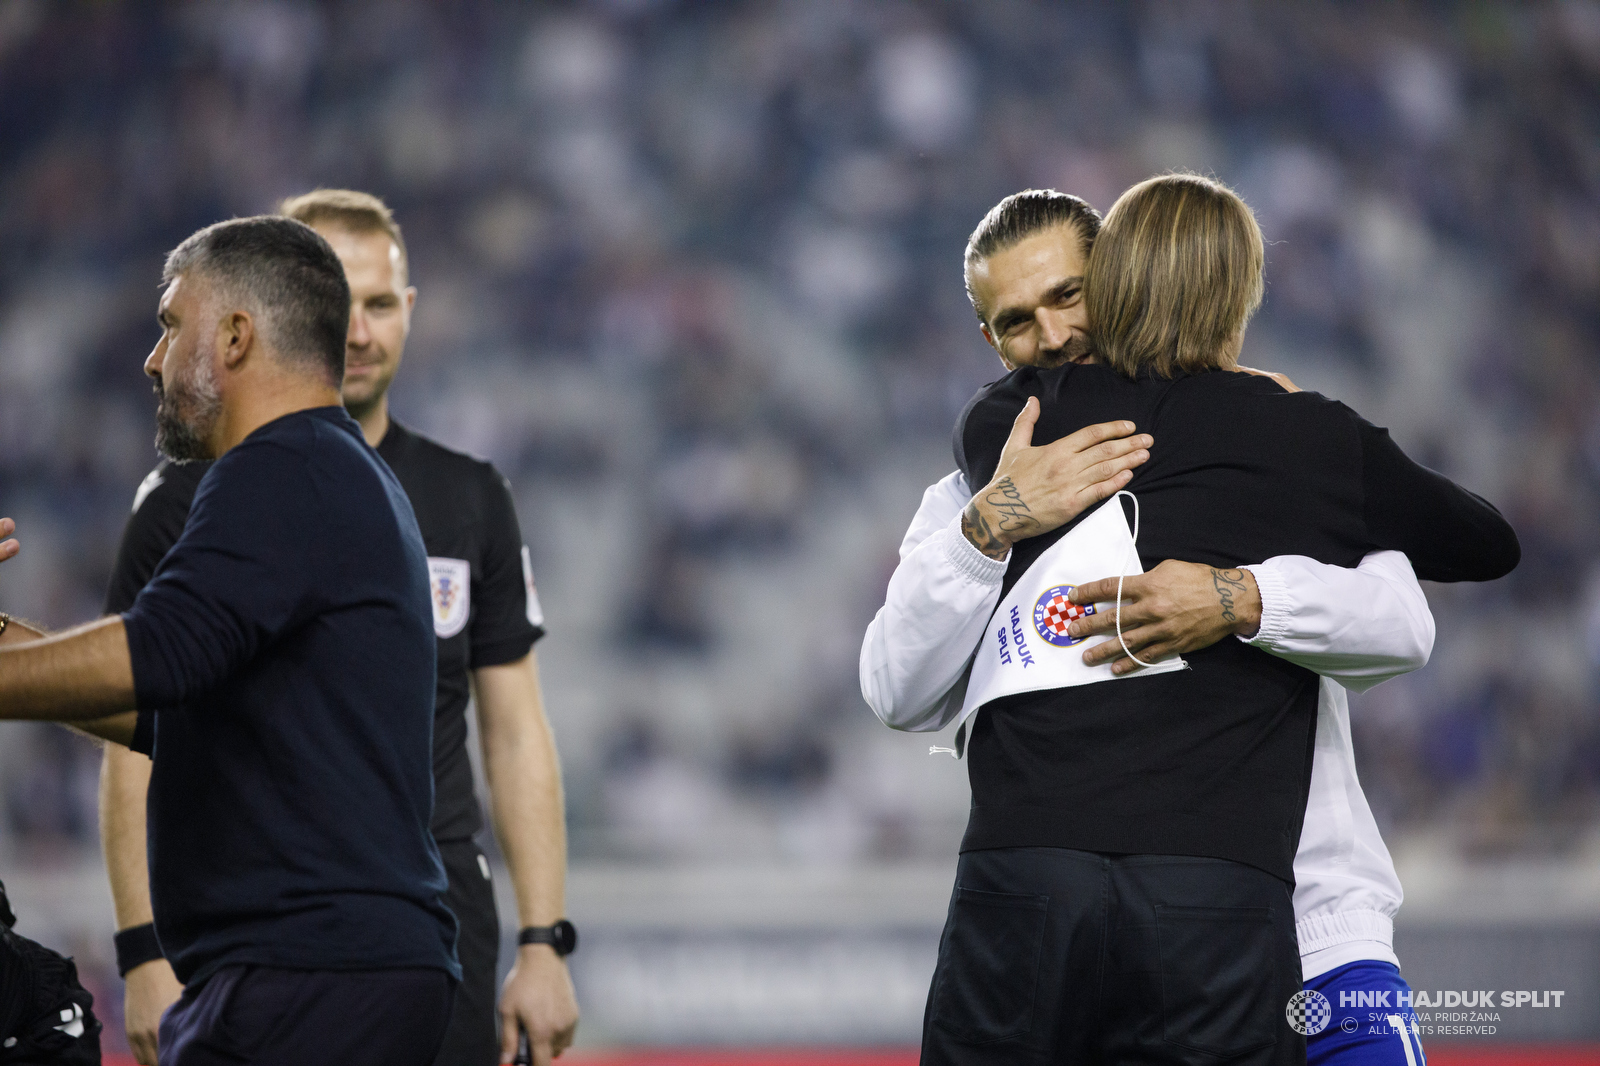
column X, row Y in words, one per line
column 690, row 275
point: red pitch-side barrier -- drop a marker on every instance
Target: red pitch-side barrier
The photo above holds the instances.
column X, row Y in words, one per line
column 720, row 1057
column 828, row 1057
column 1513, row 1055
column 1438, row 1055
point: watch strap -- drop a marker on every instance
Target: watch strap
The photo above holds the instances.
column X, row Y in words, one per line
column 562, row 936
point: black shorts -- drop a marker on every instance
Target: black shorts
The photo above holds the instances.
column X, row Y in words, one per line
column 473, row 1038
column 1054, row 956
column 276, row 1017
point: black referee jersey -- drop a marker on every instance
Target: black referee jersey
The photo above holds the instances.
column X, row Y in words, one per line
column 485, row 609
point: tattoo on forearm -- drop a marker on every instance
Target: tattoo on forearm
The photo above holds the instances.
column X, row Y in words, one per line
column 1228, row 584
column 983, row 537
column 1013, row 519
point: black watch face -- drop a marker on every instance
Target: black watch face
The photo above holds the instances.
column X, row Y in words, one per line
column 564, row 937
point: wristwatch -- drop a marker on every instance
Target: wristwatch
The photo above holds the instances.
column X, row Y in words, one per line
column 562, row 937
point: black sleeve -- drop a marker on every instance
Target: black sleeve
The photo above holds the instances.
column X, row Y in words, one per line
column 506, row 620
column 160, row 508
column 144, row 734
column 236, row 580
column 984, row 425
column 1448, row 533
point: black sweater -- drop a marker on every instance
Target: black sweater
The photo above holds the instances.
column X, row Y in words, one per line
column 465, row 511
column 286, row 647
column 1215, row 760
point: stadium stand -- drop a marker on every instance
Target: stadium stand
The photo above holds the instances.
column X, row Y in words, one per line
column 689, row 274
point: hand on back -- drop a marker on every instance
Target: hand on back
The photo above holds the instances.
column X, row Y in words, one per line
column 1177, row 607
column 1035, row 490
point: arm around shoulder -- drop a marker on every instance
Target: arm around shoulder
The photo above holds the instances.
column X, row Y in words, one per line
column 1448, row 533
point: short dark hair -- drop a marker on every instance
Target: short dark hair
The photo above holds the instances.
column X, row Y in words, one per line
column 286, row 274
column 358, row 212
column 1019, row 216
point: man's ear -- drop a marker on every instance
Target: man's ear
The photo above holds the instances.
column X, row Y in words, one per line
column 236, row 335
column 988, row 336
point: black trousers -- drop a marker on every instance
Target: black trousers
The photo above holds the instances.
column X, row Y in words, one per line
column 273, row 1017
column 1054, row 956
column 473, row 1037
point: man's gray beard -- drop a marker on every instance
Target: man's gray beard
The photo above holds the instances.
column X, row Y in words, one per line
column 185, row 441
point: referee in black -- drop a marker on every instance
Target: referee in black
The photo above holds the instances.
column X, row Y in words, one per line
column 486, row 619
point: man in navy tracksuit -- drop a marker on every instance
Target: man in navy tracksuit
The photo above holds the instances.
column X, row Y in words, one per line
column 281, row 662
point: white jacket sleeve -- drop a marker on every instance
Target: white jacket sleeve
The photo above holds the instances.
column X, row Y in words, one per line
column 1358, row 627
column 915, row 656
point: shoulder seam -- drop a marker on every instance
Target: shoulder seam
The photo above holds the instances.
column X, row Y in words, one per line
column 446, row 452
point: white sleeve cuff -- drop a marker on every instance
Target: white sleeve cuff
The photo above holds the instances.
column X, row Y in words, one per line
column 1275, row 606
column 967, row 559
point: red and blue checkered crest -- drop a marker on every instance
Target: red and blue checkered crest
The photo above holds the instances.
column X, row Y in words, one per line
column 1054, row 612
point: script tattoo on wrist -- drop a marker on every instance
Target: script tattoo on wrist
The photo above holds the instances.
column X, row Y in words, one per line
column 1228, row 584
column 1014, row 519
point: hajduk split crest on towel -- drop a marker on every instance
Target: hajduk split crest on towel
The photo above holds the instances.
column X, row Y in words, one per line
column 1026, row 647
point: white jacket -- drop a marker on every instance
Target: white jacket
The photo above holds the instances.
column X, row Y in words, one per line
column 1356, row 628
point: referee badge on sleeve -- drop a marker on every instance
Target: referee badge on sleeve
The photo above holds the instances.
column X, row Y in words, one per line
column 450, row 586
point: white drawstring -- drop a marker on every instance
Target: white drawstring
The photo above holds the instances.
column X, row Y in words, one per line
column 1122, row 572
column 953, row 753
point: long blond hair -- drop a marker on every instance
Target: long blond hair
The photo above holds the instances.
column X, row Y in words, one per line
column 1174, row 277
